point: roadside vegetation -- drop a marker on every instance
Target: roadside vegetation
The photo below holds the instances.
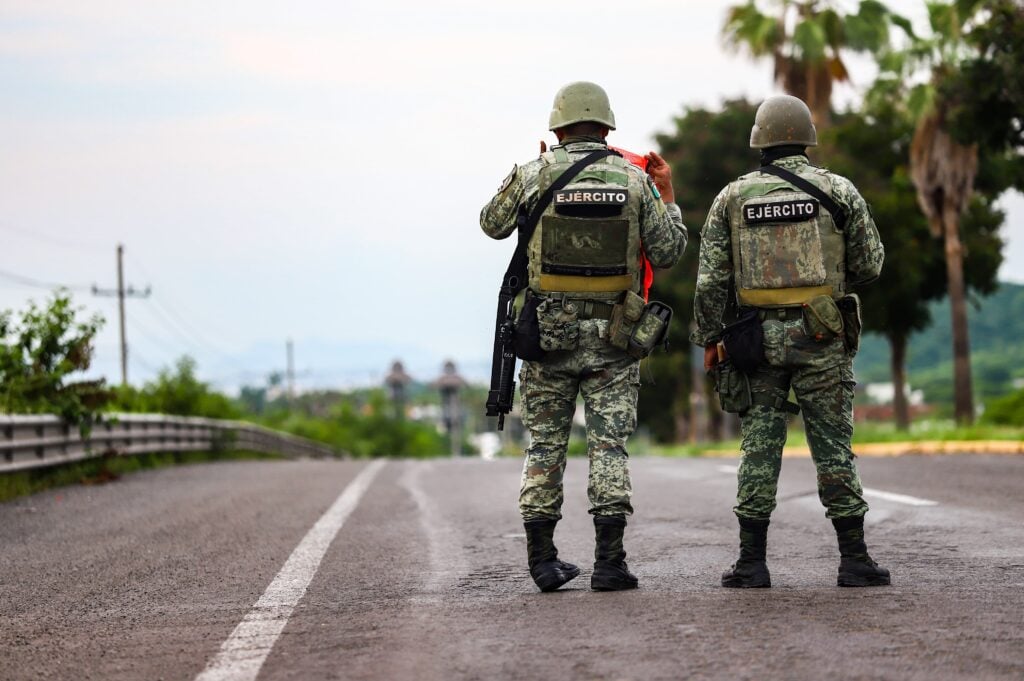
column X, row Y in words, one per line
column 865, row 433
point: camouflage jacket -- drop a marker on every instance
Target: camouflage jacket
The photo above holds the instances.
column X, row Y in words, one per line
column 864, row 251
column 661, row 225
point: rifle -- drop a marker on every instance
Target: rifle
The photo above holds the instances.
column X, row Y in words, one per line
column 503, row 364
column 503, row 361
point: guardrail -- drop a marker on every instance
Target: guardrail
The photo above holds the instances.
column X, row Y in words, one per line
column 37, row 441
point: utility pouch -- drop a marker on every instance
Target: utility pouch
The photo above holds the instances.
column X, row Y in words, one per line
column 559, row 325
column 744, row 342
column 849, row 306
column 650, row 330
column 733, row 388
column 624, row 318
column 822, row 319
column 526, row 342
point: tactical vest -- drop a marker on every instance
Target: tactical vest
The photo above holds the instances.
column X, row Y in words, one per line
column 785, row 247
column 587, row 243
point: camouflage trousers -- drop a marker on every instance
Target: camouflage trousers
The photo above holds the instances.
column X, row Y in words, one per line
column 609, row 381
column 821, row 376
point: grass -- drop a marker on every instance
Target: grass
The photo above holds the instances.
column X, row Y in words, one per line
column 934, row 430
column 864, row 433
column 106, row 469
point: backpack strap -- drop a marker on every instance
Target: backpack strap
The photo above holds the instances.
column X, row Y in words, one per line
column 838, row 214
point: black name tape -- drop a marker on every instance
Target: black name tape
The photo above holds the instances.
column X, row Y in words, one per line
column 600, row 197
column 781, row 211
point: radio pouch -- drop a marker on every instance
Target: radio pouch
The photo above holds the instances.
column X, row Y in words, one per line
column 650, row 330
column 744, row 341
column 526, row 341
column 733, row 388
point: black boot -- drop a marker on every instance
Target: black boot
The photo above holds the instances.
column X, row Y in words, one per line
column 750, row 571
column 855, row 565
column 610, row 570
column 547, row 571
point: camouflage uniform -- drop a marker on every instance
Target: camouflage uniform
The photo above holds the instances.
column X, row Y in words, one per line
column 607, row 377
column 820, row 373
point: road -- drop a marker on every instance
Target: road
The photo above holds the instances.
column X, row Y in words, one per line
column 416, row 570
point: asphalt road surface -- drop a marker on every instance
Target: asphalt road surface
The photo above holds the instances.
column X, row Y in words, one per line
column 416, row 570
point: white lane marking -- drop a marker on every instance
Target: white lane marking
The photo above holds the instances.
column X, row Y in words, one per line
column 448, row 561
column 899, row 498
column 888, row 496
column 242, row 655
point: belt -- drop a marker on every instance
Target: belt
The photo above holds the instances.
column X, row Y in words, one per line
column 780, row 313
column 593, row 309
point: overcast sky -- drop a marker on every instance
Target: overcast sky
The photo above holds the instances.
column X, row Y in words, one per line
column 315, row 170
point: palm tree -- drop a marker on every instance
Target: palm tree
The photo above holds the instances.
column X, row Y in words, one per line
column 807, row 39
column 943, row 171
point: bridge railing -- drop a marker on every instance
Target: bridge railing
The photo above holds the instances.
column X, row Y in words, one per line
column 37, row 441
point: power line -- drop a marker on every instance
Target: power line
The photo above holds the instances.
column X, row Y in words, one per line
column 138, row 358
column 51, row 240
column 182, row 328
column 37, row 283
column 180, row 320
column 155, row 338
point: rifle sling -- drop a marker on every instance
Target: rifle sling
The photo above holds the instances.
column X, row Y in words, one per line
column 515, row 275
column 838, row 214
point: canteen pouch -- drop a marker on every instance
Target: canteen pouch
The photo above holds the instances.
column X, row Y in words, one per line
column 744, row 342
column 624, row 318
column 733, row 388
column 526, row 341
column 822, row 319
column 559, row 325
column 650, row 330
column 849, row 307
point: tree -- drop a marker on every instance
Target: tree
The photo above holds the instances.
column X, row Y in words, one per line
column 707, row 150
column 40, row 355
column 872, row 148
column 177, row 391
column 954, row 144
column 806, row 40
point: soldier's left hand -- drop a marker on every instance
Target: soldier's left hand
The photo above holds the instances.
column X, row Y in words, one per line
column 661, row 172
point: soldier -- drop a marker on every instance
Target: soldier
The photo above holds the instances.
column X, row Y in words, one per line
column 789, row 249
column 588, row 259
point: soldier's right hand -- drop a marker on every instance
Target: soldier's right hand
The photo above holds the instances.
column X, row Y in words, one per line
column 661, row 172
column 543, row 146
column 710, row 357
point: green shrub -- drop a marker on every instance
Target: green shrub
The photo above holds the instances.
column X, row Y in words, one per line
column 1007, row 410
column 41, row 353
column 176, row 391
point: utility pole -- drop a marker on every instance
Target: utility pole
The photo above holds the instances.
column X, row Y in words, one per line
column 121, row 292
column 291, row 370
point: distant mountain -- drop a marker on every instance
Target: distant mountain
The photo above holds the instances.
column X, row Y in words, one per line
column 996, row 327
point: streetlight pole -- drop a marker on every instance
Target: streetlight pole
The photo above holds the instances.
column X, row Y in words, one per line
column 450, row 384
column 396, row 381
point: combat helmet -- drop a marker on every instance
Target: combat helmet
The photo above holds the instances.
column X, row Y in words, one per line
column 782, row 119
column 578, row 102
